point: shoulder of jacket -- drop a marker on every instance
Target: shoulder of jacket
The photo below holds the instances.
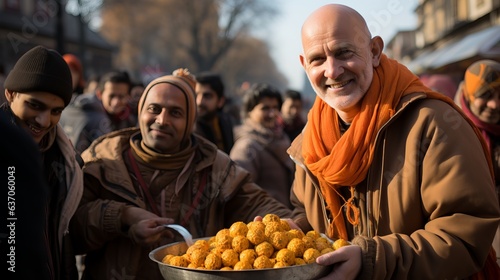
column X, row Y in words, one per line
column 111, row 139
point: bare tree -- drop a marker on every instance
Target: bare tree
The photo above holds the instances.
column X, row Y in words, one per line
column 161, row 35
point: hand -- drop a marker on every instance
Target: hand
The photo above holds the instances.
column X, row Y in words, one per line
column 345, row 261
column 257, row 219
column 151, row 231
column 289, row 221
column 292, row 224
column 132, row 215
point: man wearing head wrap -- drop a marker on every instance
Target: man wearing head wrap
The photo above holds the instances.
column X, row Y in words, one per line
column 37, row 90
column 76, row 68
column 479, row 98
column 388, row 164
column 138, row 179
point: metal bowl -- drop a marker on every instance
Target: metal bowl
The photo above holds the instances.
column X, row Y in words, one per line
column 300, row 272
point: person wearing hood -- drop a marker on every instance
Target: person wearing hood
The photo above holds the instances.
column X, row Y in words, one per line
column 479, row 97
column 37, row 90
column 138, row 179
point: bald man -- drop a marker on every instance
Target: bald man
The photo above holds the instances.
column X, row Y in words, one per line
column 387, row 163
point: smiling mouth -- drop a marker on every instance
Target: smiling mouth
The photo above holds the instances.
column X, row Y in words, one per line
column 339, row 85
column 163, row 132
column 34, row 129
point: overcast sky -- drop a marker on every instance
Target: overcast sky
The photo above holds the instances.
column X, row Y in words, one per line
column 384, row 18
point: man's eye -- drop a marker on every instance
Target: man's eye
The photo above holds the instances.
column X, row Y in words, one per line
column 34, row 105
column 343, row 53
column 176, row 113
column 487, row 95
column 315, row 60
column 154, row 109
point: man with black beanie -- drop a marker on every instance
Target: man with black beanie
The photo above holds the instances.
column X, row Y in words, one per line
column 37, row 90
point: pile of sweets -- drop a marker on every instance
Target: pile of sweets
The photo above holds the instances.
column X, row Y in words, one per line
column 269, row 243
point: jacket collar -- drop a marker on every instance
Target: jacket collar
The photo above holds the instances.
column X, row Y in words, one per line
column 295, row 149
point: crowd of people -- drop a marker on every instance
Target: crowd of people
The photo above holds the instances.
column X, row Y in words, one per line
column 406, row 172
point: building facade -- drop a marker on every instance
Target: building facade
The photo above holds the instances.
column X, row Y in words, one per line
column 451, row 34
column 27, row 23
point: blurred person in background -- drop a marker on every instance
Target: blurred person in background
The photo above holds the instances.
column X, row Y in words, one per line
column 90, row 116
column 92, row 84
column 135, row 95
column 479, row 97
column 291, row 112
column 261, row 144
column 212, row 123
column 77, row 76
column 440, row 83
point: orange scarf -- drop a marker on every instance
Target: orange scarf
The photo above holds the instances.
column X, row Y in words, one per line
column 344, row 160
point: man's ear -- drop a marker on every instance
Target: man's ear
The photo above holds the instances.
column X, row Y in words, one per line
column 221, row 102
column 302, row 61
column 377, row 46
column 9, row 95
column 98, row 94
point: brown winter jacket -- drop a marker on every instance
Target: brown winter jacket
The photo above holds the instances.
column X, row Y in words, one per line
column 428, row 207
column 264, row 155
column 228, row 196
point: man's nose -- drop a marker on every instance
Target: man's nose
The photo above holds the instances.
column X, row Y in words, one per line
column 43, row 119
column 494, row 101
column 334, row 67
column 163, row 118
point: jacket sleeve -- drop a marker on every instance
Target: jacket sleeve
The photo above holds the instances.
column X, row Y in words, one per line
column 444, row 176
column 246, row 154
column 96, row 220
column 297, row 196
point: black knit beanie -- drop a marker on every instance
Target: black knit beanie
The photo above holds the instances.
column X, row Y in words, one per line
column 41, row 69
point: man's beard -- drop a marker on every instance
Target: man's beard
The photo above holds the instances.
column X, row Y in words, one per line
column 208, row 115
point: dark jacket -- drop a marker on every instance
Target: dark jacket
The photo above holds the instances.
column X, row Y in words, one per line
column 63, row 182
column 25, row 193
column 226, row 124
column 85, row 119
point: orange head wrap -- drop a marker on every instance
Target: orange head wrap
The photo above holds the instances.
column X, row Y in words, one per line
column 480, row 77
column 75, row 64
